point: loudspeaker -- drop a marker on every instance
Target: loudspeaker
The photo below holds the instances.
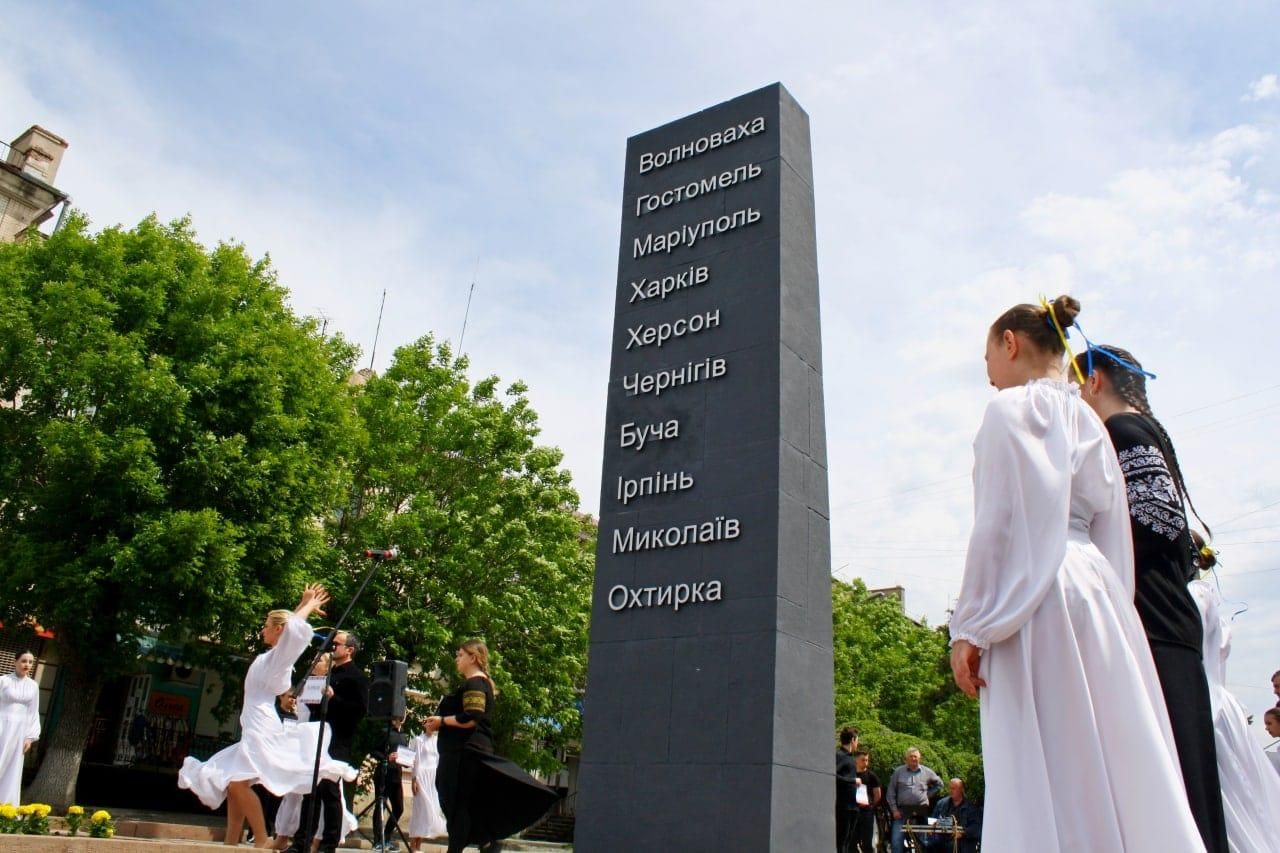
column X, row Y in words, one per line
column 386, row 689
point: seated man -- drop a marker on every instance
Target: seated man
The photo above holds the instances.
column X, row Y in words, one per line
column 955, row 810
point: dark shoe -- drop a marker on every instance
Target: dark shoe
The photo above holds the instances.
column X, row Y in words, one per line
column 492, row 847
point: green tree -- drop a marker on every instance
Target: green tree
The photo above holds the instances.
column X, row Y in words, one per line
column 178, row 434
column 893, row 681
column 491, row 543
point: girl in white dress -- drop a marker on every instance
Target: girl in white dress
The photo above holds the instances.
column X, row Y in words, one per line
column 1250, row 787
column 19, row 724
column 427, row 820
column 279, row 758
column 1076, row 741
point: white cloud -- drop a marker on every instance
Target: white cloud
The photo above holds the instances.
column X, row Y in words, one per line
column 1264, row 88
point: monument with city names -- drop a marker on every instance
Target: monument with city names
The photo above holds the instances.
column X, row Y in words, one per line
column 708, row 719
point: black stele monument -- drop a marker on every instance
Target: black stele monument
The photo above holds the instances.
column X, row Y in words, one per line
column 708, row 713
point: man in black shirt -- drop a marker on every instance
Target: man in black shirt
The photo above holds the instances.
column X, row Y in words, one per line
column 846, row 779
column 959, row 812
column 868, row 789
column 346, row 702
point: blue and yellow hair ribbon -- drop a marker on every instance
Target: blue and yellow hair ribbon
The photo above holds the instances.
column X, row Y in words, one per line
column 1062, row 336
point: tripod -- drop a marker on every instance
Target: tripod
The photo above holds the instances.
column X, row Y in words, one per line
column 306, row 824
column 381, row 792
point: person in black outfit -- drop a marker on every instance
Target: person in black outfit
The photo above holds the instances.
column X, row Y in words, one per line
column 345, row 704
column 388, row 786
column 1115, row 387
column 864, row 829
column 846, row 781
column 484, row 797
column 960, row 812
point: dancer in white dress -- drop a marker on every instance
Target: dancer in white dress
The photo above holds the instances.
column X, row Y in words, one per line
column 1250, row 787
column 1075, row 735
column 19, row 724
column 279, row 758
column 427, row 820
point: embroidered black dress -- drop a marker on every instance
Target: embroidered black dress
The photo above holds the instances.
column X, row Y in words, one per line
column 1162, row 565
column 484, row 797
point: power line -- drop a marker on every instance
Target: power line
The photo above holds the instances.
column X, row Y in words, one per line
column 1256, row 414
column 1246, row 514
column 1224, row 402
column 905, row 491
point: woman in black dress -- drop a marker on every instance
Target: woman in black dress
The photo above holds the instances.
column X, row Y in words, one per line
column 485, row 798
column 1115, row 386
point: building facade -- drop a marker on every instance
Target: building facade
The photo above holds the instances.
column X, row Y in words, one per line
column 28, row 168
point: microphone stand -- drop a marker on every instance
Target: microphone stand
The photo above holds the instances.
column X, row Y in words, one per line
column 305, row 822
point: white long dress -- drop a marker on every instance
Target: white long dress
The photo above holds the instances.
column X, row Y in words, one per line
column 19, row 722
column 1250, row 787
column 289, row 815
column 280, row 758
column 1076, row 742
column 427, row 820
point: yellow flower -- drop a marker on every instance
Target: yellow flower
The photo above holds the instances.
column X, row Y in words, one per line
column 7, row 811
column 26, row 808
column 42, row 810
column 75, row 810
column 100, row 816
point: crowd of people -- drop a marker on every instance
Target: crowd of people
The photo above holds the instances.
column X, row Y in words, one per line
column 1076, row 625
column 293, row 757
column 1085, row 626
column 908, row 809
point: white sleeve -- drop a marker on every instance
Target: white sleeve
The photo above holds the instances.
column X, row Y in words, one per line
column 1022, row 495
column 1111, row 529
column 279, row 659
column 33, row 714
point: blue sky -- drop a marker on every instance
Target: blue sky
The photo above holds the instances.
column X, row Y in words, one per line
column 967, row 156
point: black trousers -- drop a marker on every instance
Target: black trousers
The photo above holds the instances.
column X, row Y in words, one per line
column 1186, row 693
column 388, row 786
column 329, row 798
column 864, row 831
column 846, row 823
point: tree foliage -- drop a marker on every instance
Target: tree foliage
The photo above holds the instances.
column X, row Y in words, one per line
column 893, row 681
column 178, row 434
column 491, row 543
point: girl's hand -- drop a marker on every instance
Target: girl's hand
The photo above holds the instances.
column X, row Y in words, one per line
column 965, row 658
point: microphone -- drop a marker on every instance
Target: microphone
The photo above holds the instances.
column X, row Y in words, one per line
column 382, row 553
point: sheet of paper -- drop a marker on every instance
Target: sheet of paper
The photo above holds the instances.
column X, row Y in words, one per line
column 862, row 797
column 312, row 690
column 405, row 756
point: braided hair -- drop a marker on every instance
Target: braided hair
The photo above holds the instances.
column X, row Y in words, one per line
column 1131, row 386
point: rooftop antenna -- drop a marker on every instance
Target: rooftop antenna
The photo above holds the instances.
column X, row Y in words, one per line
column 378, row 331
column 467, row 312
column 325, row 324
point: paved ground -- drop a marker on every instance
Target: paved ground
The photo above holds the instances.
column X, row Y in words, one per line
column 143, row 831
